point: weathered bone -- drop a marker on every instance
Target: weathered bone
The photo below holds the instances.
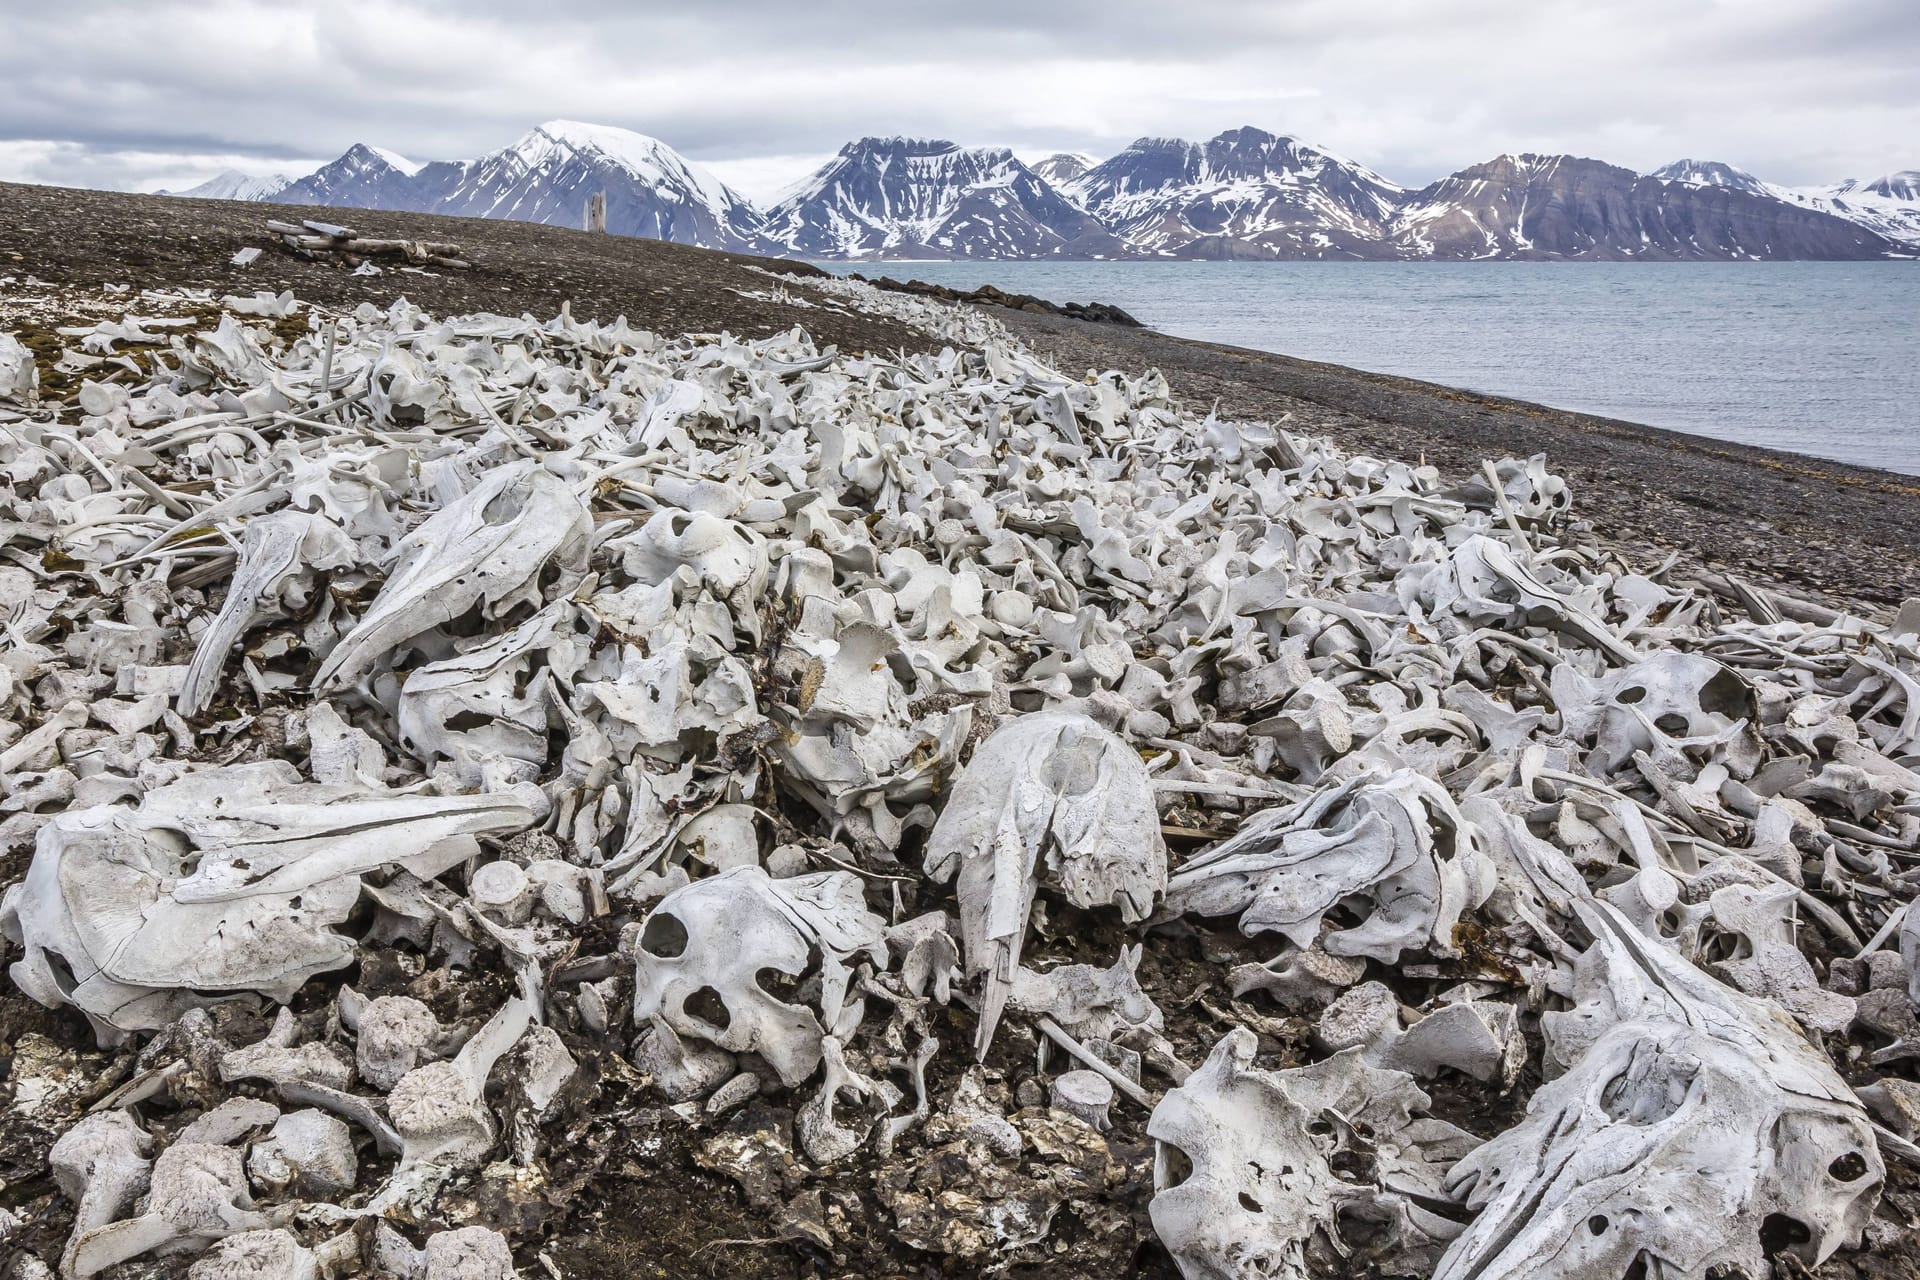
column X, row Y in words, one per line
column 129, row 914
column 692, row 603
column 1054, row 797
column 270, row 1254
column 700, row 955
column 1693, row 1126
column 1398, row 840
column 308, row 1152
column 1673, row 698
column 489, row 549
column 1244, row 1179
column 278, row 553
column 1086, row 1094
column 440, row 1110
column 198, row 1195
column 101, row 1165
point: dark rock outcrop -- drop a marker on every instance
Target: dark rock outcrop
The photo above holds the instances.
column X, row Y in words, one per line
column 988, row 296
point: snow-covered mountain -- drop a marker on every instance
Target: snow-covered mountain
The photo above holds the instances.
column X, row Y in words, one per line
column 1888, row 206
column 1063, row 167
column 364, row 177
column 231, row 184
column 1710, row 173
column 918, row 197
column 1244, row 194
column 547, row 176
column 1534, row 206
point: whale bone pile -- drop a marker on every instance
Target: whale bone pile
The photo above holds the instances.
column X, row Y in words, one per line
column 408, row 727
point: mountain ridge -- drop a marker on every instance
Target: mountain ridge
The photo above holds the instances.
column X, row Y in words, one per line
column 231, row 184
column 546, row 176
column 915, row 197
column 1243, row 194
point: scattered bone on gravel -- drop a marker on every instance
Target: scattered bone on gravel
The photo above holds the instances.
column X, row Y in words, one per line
column 1005, row 792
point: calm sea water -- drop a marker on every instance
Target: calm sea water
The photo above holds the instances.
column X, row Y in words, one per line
column 1821, row 358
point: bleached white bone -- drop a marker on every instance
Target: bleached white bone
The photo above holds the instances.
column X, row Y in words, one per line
column 490, row 549
column 196, row 890
column 701, row 952
column 1397, row 840
column 277, row 552
column 1245, row 1184
column 273, row 1253
column 198, row 1194
column 1051, row 798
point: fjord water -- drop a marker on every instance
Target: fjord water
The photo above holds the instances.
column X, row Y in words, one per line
column 1819, row 358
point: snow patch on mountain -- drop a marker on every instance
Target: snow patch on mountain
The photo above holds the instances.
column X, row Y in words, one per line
column 231, row 184
column 1888, row 205
column 396, row 160
column 1063, row 167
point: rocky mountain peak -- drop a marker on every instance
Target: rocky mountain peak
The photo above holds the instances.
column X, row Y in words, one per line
column 1904, row 185
column 1063, row 167
column 1710, row 173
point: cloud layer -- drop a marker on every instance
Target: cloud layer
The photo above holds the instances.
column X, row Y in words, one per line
column 143, row 93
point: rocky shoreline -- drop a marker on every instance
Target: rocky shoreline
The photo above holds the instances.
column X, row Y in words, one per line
column 989, row 296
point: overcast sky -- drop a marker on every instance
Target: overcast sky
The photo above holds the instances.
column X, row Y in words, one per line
column 138, row 94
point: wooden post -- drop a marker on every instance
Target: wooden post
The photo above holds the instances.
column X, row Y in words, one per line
column 597, row 211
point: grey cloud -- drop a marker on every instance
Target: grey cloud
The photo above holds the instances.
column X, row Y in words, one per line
column 1798, row 90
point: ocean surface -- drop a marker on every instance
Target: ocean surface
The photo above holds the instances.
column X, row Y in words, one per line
column 1820, row 358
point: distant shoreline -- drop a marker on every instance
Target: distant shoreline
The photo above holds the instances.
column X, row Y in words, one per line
column 1790, row 356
